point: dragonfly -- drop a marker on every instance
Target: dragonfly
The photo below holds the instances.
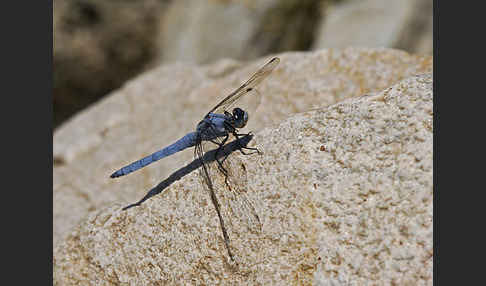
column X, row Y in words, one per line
column 213, row 131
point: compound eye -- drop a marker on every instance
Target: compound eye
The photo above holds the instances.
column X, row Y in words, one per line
column 240, row 116
column 245, row 118
column 238, row 113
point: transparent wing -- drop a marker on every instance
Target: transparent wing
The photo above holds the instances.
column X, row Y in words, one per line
column 229, row 183
column 227, row 190
column 207, row 183
column 248, row 86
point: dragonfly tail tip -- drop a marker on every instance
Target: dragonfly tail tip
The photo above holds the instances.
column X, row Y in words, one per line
column 130, row 206
column 114, row 175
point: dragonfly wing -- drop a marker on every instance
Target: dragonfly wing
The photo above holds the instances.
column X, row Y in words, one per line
column 248, row 86
column 227, row 190
column 229, row 182
column 240, row 205
column 205, row 175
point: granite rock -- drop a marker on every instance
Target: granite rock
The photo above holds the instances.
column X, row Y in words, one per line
column 343, row 191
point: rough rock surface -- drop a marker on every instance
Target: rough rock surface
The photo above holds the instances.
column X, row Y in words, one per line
column 161, row 105
column 344, row 193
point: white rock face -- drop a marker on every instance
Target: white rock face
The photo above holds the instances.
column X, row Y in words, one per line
column 343, row 190
column 399, row 24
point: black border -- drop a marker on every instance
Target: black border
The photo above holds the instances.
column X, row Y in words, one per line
column 26, row 188
column 50, row 137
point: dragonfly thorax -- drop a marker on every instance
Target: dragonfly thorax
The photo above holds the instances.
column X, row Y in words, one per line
column 240, row 117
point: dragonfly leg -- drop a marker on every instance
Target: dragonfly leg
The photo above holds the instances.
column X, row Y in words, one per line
column 238, row 135
column 220, row 163
column 220, row 148
column 223, row 170
column 224, row 159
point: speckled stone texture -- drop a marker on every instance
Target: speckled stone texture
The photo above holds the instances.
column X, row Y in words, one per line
column 160, row 106
column 343, row 190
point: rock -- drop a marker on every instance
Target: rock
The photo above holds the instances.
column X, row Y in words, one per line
column 206, row 31
column 343, row 191
column 419, row 38
column 99, row 45
column 160, row 106
column 405, row 25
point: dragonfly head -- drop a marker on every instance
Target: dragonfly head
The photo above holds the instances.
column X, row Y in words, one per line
column 240, row 117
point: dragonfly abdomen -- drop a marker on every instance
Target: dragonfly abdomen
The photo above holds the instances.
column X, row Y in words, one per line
column 187, row 141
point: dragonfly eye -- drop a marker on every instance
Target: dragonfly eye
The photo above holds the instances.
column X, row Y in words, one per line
column 240, row 117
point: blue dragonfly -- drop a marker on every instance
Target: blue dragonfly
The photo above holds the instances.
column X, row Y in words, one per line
column 214, row 130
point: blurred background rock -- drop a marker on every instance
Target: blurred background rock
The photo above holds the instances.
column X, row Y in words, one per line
column 98, row 45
